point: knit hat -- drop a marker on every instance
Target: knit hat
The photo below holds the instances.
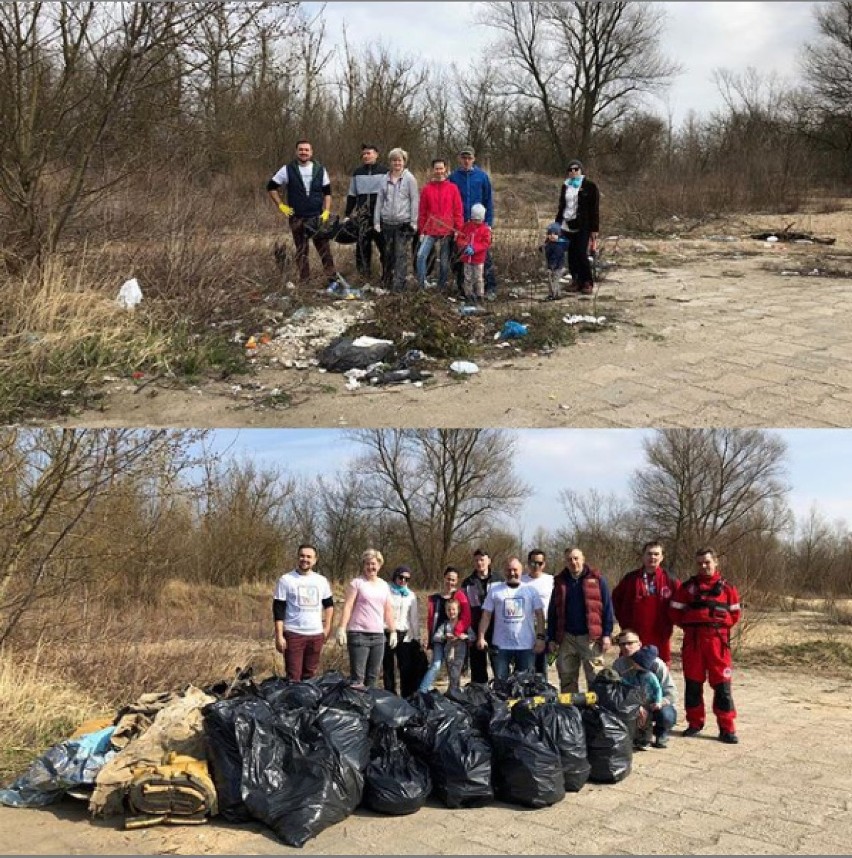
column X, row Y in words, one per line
column 477, row 211
column 554, row 229
column 467, row 150
column 643, row 658
column 401, row 570
column 574, row 162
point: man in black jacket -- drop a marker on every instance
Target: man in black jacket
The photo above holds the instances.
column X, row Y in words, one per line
column 308, row 189
column 360, row 206
column 579, row 216
column 475, row 587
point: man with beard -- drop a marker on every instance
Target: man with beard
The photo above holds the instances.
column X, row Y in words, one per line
column 518, row 614
column 475, row 587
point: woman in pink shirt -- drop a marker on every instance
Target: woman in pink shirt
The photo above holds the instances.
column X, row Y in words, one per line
column 366, row 614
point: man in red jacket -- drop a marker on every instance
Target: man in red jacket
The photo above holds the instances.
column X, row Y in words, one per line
column 706, row 607
column 438, row 219
column 641, row 601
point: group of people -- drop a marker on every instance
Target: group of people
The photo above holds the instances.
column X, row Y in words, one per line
column 448, row 222
column 525, row 620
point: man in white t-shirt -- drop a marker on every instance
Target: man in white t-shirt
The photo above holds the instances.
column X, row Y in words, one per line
column 302, row 607
column 542, row 581
column 519, row 622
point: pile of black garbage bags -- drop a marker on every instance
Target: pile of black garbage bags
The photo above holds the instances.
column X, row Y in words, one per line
column 301, row 756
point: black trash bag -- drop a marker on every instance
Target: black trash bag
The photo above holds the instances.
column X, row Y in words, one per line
column 394, row 782
column 347, row 232
column 350, row 736
column 242, row 685
column 614, row 696
column 223, row 752
column 480, row 702
column 283, row 694
column 435, row 716
column 341, row 355
column 527, row 764
column 564, row 726
column 609, row 745
column 528, row 683
column 390, row 709
column 294, row 778
column 342, row 695
column 461, row 767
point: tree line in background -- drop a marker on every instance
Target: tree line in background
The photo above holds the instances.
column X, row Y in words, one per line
column 98, row 98
column 112, row 516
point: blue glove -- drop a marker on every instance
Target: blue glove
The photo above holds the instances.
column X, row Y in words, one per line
column 468, row 251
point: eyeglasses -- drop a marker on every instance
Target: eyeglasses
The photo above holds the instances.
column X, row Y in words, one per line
column 404, row 578
column 536, row 562
column 573, row 169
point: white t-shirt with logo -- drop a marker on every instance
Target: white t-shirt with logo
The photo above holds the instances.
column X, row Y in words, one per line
column 514, row 614
column 304, row 595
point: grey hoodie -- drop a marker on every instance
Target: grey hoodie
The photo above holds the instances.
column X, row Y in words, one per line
column 398, row 202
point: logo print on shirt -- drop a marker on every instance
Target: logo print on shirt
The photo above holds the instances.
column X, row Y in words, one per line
column 513, row 609
column 307, row 597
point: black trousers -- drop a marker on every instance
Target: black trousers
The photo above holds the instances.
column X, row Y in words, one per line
column 403, row 656
column 367, row 237
column 578, row 258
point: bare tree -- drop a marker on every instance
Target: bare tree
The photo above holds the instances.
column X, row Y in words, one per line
column 445, row 485
column 53, row 481
column 583, row 63
column 711, row 486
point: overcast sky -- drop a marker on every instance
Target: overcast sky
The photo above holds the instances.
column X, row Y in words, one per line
column 701, row 37
column 819, row 463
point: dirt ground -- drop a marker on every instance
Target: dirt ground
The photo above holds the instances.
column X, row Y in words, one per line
column 784, row 790
column 710, row 328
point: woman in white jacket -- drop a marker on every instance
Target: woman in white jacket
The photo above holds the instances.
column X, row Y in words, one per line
column 407, row 625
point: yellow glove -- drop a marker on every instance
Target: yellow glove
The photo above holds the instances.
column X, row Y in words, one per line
column 285, row 209
column 326, row 214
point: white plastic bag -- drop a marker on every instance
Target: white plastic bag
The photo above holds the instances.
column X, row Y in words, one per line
column 464, row 367
column 129, row 295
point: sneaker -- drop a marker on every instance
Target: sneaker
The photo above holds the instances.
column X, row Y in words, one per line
column 661, row 742
column 639, row 746
column 587, row 289
column 692, row 731
column 728, row 738
column 552, row 298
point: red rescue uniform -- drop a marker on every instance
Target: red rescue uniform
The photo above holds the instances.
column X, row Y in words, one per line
column 641, row 603
column 706, row 608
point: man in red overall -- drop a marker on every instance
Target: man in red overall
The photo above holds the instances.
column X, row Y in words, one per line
column 706, row 607
column 641, row 601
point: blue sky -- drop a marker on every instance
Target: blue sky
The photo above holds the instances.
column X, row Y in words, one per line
column 819, row 463
column 700, row 36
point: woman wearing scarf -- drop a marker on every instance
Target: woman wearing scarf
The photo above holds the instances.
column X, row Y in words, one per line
column 579, row 216
column 407, row 624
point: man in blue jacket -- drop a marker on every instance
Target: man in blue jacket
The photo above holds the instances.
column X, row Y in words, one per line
column 475, row 187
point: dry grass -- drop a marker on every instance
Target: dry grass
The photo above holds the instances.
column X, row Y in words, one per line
column 37, row 709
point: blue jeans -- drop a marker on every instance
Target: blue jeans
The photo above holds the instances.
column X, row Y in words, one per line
column 445, row 247
column 366, row 650
column 522, row 659
column 659, row 724
column 455, row 657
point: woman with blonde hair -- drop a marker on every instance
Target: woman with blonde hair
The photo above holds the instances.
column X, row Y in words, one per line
column 367, row 612
column 397, row 207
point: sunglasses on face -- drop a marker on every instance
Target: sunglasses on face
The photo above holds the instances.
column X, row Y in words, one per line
column 573, row 169
column 536, row 562
column 404, row 578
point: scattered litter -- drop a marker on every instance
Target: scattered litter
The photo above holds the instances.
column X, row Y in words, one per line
column 588, row 320
column 352, row 384
column 67, row 392
column 786, row 235
column 771, row 239
column 463, row 367
column 129, row 295
column 369, row 342
column 512, row 330
column 344, row 354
